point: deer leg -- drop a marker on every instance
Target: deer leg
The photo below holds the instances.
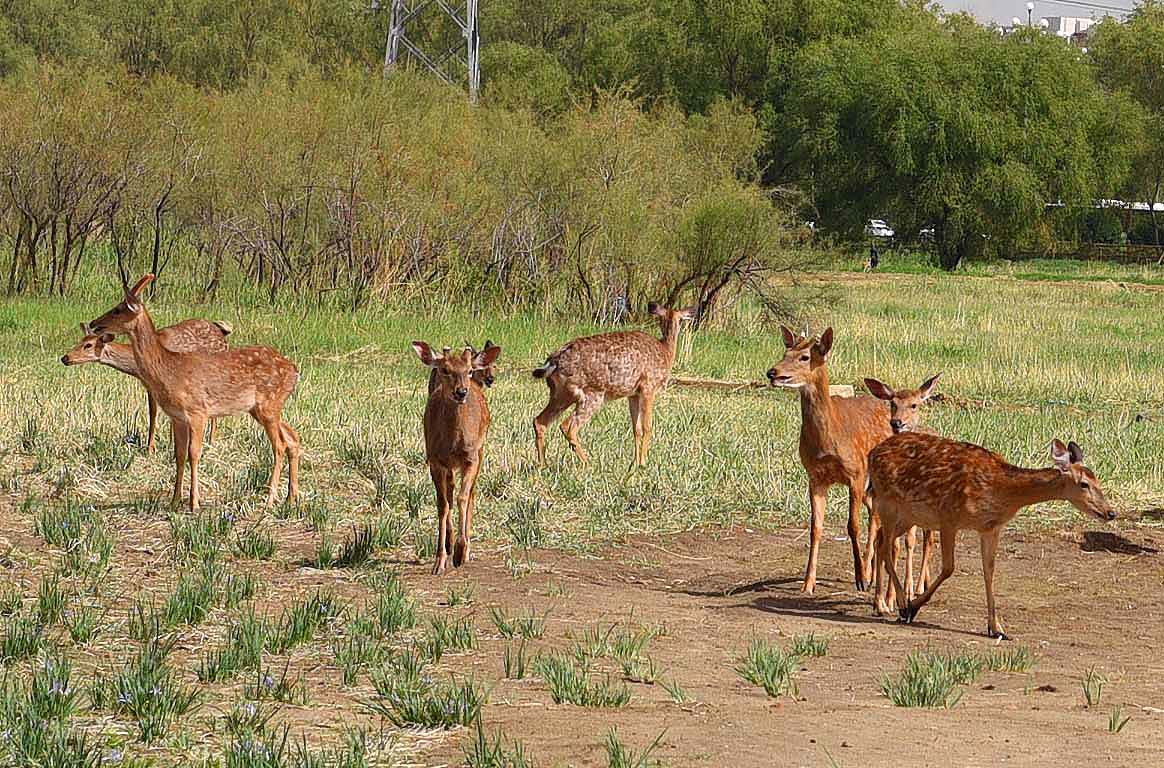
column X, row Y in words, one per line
column 152, row 402
column 583, row 412
column 636, row 416
column 910, row 546
column 273, row 428
column 442, row 481
column 558, row 403
column 862, row 566
column 181, row 433
column 817, row 498
column 213, row 430
column 882, row 587
column 294, row 448
column 927, row 552
column 885, row 542
column 648, row 414
column 910, row 609
column 465, row 510
column 989, row 543
column 197, row 431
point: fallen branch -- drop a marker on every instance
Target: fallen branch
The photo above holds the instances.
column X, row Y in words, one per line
column 837, row 390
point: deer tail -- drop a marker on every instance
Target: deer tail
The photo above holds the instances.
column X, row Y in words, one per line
column 223, row 326
column 545, row 370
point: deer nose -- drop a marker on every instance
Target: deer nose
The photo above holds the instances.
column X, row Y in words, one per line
column 460, row 394
column 771, row 374
column 489, row 381
column 1111, row 514
column 896, row 424
column 65, row 359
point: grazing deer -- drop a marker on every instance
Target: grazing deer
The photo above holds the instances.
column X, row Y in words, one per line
column 905, row 409
column 192, row 387
column 591, row 370
column 836, row 435
column 483, row 376
column 186, row 336
column 456, row 421
column 943, row 485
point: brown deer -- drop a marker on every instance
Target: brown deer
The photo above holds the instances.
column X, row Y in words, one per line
column 836, row 435
column 186, row 336
column 948, row 486
column 905, row 409
column 192, row 387
column 591, row 370
column 483, row 376
column 456, row 422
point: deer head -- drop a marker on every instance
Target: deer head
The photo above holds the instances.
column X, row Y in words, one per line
column 88, row 349
column 1080, row 483
column 669, row 318
column 485, row 375
column 455, row 372
column 904, row 404
column 804, row 359
column 125, row 315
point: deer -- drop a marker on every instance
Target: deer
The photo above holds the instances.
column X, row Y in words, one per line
column 456, row 423
column 592, row 370
column 949, row 486
column 186, row 336
column 192, row 387
column 905, row 409
column 483, row 376
column 836, row 435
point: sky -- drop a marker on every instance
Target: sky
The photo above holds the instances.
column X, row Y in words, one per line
column 1003, row 11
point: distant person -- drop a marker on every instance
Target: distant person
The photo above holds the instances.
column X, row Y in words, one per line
column 874, row 258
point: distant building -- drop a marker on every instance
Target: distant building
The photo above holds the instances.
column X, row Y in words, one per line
column 1067, row 26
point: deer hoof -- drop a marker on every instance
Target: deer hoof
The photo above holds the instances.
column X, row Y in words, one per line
column 997, row 634
column 807, row 587
column 460, row 553
column 907, row 614
column 440, row 566
column 860, row 584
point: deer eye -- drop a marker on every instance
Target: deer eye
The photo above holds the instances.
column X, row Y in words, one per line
column 1084, row 484
column 914, row 406
column 88, row 345
column 805, row 358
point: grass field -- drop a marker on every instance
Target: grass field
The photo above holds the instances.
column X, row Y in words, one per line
column 196, row 641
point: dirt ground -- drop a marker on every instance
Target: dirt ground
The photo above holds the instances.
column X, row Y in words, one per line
column 1078, row 598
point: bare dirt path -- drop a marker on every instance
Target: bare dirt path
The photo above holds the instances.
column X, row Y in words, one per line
column 1077, row 598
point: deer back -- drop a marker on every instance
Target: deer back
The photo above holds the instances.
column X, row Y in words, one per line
column 616, row 364
column 195, row 335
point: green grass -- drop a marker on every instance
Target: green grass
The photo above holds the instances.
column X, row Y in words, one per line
column 770, row 667
column 572, row 682
column 1092, row 684
column 932, row 679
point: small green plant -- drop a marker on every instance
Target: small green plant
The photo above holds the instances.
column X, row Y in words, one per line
column 1093, row 683
column 446, row 635
column 11, row 598
column 408, row 701
column 146, row 690
column 50, row 600
column 618, row 756
column 83, row 622
column 523, row 524
column 255, row 543
column 931, row 679
column 515, row 661
column 570, row 682
column 284, row 687
column 640, row 669
column 145, row 621
column 769, row 667
column 199, row 536
column 483, row 752
column 23, row 637
column 675, row 691
column 1017, row 659
column 300, row 621
column 243, row 649
column 356, row 651
column 357, row 547
column 810, row 646
column 456, row 597
column 424, row 542
column 1117, row 720
column 325, row 554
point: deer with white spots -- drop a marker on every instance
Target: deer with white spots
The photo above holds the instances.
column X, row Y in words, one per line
column 192, row 387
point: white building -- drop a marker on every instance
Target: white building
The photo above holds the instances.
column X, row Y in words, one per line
column 1067, row 26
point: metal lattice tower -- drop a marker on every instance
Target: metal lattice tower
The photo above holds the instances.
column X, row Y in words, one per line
column 450, row 64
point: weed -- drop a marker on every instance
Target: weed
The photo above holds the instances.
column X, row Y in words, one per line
column 1018, row 659
column 11, row 598
column 255, row 543
column 147, row 690
column 299, row 622
column 456, row 597
column 356, row 651
column 1117, row 720
column 242, row 650
column 50, row 601
column 1093, row 683
column 675, row 691
column 448, row 635
column 640, row 669
column 810, row 646
column 618, row 756
column 523, row 524
column 570, row 682
column 485, row 753
column 285, row 688
column 769, row 667
column 82, row 622
column 199, row 536
column 408, row 701
column 357, row 547
column 930, row 679
column 515, row 661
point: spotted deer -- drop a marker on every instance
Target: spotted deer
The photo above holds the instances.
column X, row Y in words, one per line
column 948, row 486
column 456, row 422
column 905, row 410
column 836, row 435
column 186, row 336
column 192, row 387
column 484, row 376
column 589, row 371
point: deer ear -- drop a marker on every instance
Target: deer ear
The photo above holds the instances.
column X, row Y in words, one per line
column 689, row 313
column 84, row 329
column 1060, row 455
column 789, row 337
column 486, row 358
column 141, row 284
column 879, row 390
column 105, row 338
column 425, row 353
column 826, row 342
column 927, row 386
column 656, row 310
column 1075, row 452
column 488, row 344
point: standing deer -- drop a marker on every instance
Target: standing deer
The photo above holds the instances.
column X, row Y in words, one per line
column 483, row 376
column 836, row 435
column 905, row 409
column 186, row 336
column 943, row 485
column 192, row 387
column 591, row 370
column 456, row 422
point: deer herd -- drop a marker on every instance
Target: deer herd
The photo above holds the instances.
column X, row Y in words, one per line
column 906, row 476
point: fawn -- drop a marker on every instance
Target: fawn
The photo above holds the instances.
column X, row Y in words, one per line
column 836, row 435
column 186, row 336
column 591, row 370
column 483, row 376
column 948, row 486
column 456, row 421
column 192, row 387
column 904, row 416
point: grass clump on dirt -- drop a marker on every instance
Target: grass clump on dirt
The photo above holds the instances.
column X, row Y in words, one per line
column 932, row 679
column 147, row 691
column 770, row 667
column 619, row 756
column 484, row 752
column 570, row 681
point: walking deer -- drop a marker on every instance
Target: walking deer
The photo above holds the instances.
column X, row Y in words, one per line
column 905, row 409
column 192, row 387
column 836, row 435
column 948, row 486
column 591, row 370
column 186, row 336
column 456, row 422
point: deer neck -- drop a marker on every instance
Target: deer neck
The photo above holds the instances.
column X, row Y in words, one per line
column 148, row 352
column 816, row 409
column 670, row 339
column 120, row 357
column 1022, row 487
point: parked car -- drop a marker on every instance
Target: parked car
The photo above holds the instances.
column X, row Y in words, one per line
column 878, row 228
